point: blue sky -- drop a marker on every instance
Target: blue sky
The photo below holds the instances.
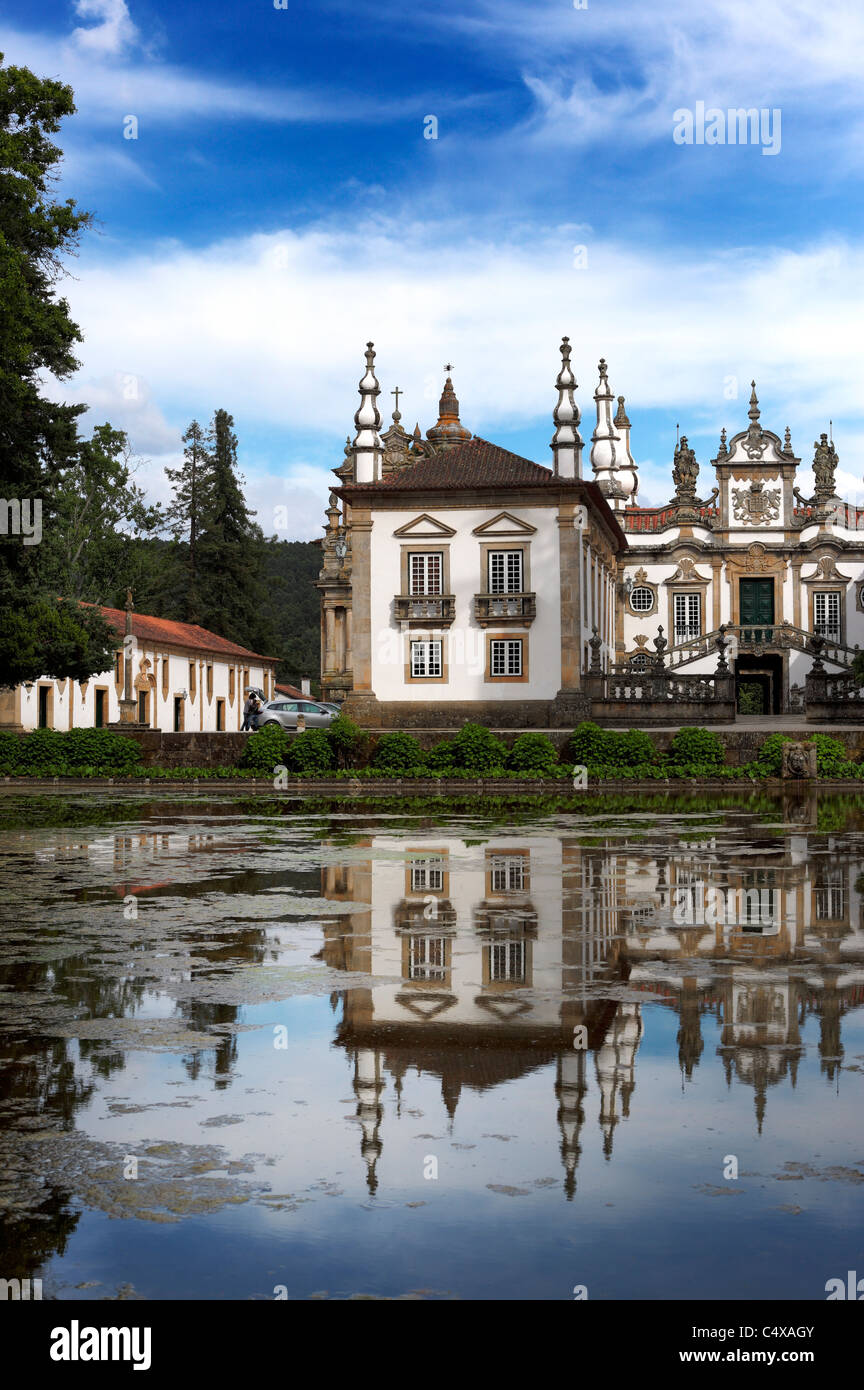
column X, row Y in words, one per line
column 280, row 205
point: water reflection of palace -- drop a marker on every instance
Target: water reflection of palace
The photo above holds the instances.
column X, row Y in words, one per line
column 500, row 951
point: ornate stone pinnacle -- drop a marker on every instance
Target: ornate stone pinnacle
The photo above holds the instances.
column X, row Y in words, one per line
column 754, row 411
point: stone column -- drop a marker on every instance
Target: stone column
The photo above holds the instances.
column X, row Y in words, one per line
column 570, row 704
column 128, row 710
column 361, row 703
column 329, row 640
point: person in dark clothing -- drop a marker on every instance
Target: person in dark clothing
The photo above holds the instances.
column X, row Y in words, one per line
column 251, row 707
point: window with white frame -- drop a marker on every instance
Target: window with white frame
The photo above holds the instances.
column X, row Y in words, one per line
column 508, row 873
column 826, row 614
column 505, row 571
column 426, row 660
column 427, row 957
column 427, row 875
column 505, row 657
column 425, row 571
column 641, row 599
column 688, row 616
column 507, row 961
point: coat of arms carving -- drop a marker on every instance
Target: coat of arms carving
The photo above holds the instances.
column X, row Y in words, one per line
column 756, row 505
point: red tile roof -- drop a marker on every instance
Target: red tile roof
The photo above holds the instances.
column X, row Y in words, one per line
column 476, row 463
column 290, row 690
column 481, row 464
column 189, row 635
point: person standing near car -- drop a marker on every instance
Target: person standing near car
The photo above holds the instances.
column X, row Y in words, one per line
column 250, row 708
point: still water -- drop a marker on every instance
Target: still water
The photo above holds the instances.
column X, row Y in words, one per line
column 437, row 1050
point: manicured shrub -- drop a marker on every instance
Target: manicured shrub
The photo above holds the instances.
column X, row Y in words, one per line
column 592, row 746
column 45, row 749
column 100, row 748
column 634, row 749
column 266, row 749
column 533, row 753
column 832, row 760
column 476, row 749
column 311, row 751
column 439, row 760
column 398, row 752
column 769, row 760
column 346, row 740
column 696, row 746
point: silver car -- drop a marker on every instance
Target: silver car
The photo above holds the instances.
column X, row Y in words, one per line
column 287, row 712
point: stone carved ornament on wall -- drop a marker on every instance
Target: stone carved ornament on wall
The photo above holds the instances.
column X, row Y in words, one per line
column 756, row 505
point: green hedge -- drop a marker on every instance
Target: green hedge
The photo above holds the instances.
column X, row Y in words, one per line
column 66, row 748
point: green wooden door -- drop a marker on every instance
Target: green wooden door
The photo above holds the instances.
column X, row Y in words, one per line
column 757, row 602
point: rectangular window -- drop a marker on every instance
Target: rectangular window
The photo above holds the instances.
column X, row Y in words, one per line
column 507, row 961
column 193, row 668
column 209, row 682
column 220, row 716
column 826, row 614
column 427, row 875
column 425, row 572
column 508, row 874
column 505, row 572
column 427, row 958
column 688, row 617
column 166, row 667
column 99, row 709
column 143, row 703
column 426, row 660
column 505, row 657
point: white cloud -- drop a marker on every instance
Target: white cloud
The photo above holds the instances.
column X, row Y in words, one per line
column 273, row 328
column 114, row 32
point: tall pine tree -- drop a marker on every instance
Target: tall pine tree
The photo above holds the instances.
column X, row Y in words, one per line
column 38, row 435
column 184, row 515
column 228, row 548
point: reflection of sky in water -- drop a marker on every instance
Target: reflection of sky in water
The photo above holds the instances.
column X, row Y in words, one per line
column 427, row 979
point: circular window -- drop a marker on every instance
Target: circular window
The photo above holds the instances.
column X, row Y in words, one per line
column 639, row 661
column 642, row 599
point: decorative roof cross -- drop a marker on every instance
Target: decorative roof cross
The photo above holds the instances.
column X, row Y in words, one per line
column 448, row 367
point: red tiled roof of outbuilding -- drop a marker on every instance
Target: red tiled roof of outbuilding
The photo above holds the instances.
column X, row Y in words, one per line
column 189, row 635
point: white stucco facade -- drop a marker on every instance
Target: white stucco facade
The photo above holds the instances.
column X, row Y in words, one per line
column 175, row 687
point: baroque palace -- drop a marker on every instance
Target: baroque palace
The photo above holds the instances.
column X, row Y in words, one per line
column 461, row 581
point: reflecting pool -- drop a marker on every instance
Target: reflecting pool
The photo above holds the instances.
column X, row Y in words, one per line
column 257, row 1048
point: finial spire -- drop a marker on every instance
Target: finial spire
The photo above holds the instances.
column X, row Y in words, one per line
column 754, row 411
column 449, row 429
column 367, row 444
column 567, row 442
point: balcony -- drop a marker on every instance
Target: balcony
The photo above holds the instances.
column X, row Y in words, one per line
column 491, row 609
column 425, row 609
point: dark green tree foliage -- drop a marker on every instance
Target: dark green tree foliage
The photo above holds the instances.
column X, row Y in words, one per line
column 44, row 636
column 38, row 436
column 232, row 594
column 184, row 516
column 98, row 511
column 292, row 605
